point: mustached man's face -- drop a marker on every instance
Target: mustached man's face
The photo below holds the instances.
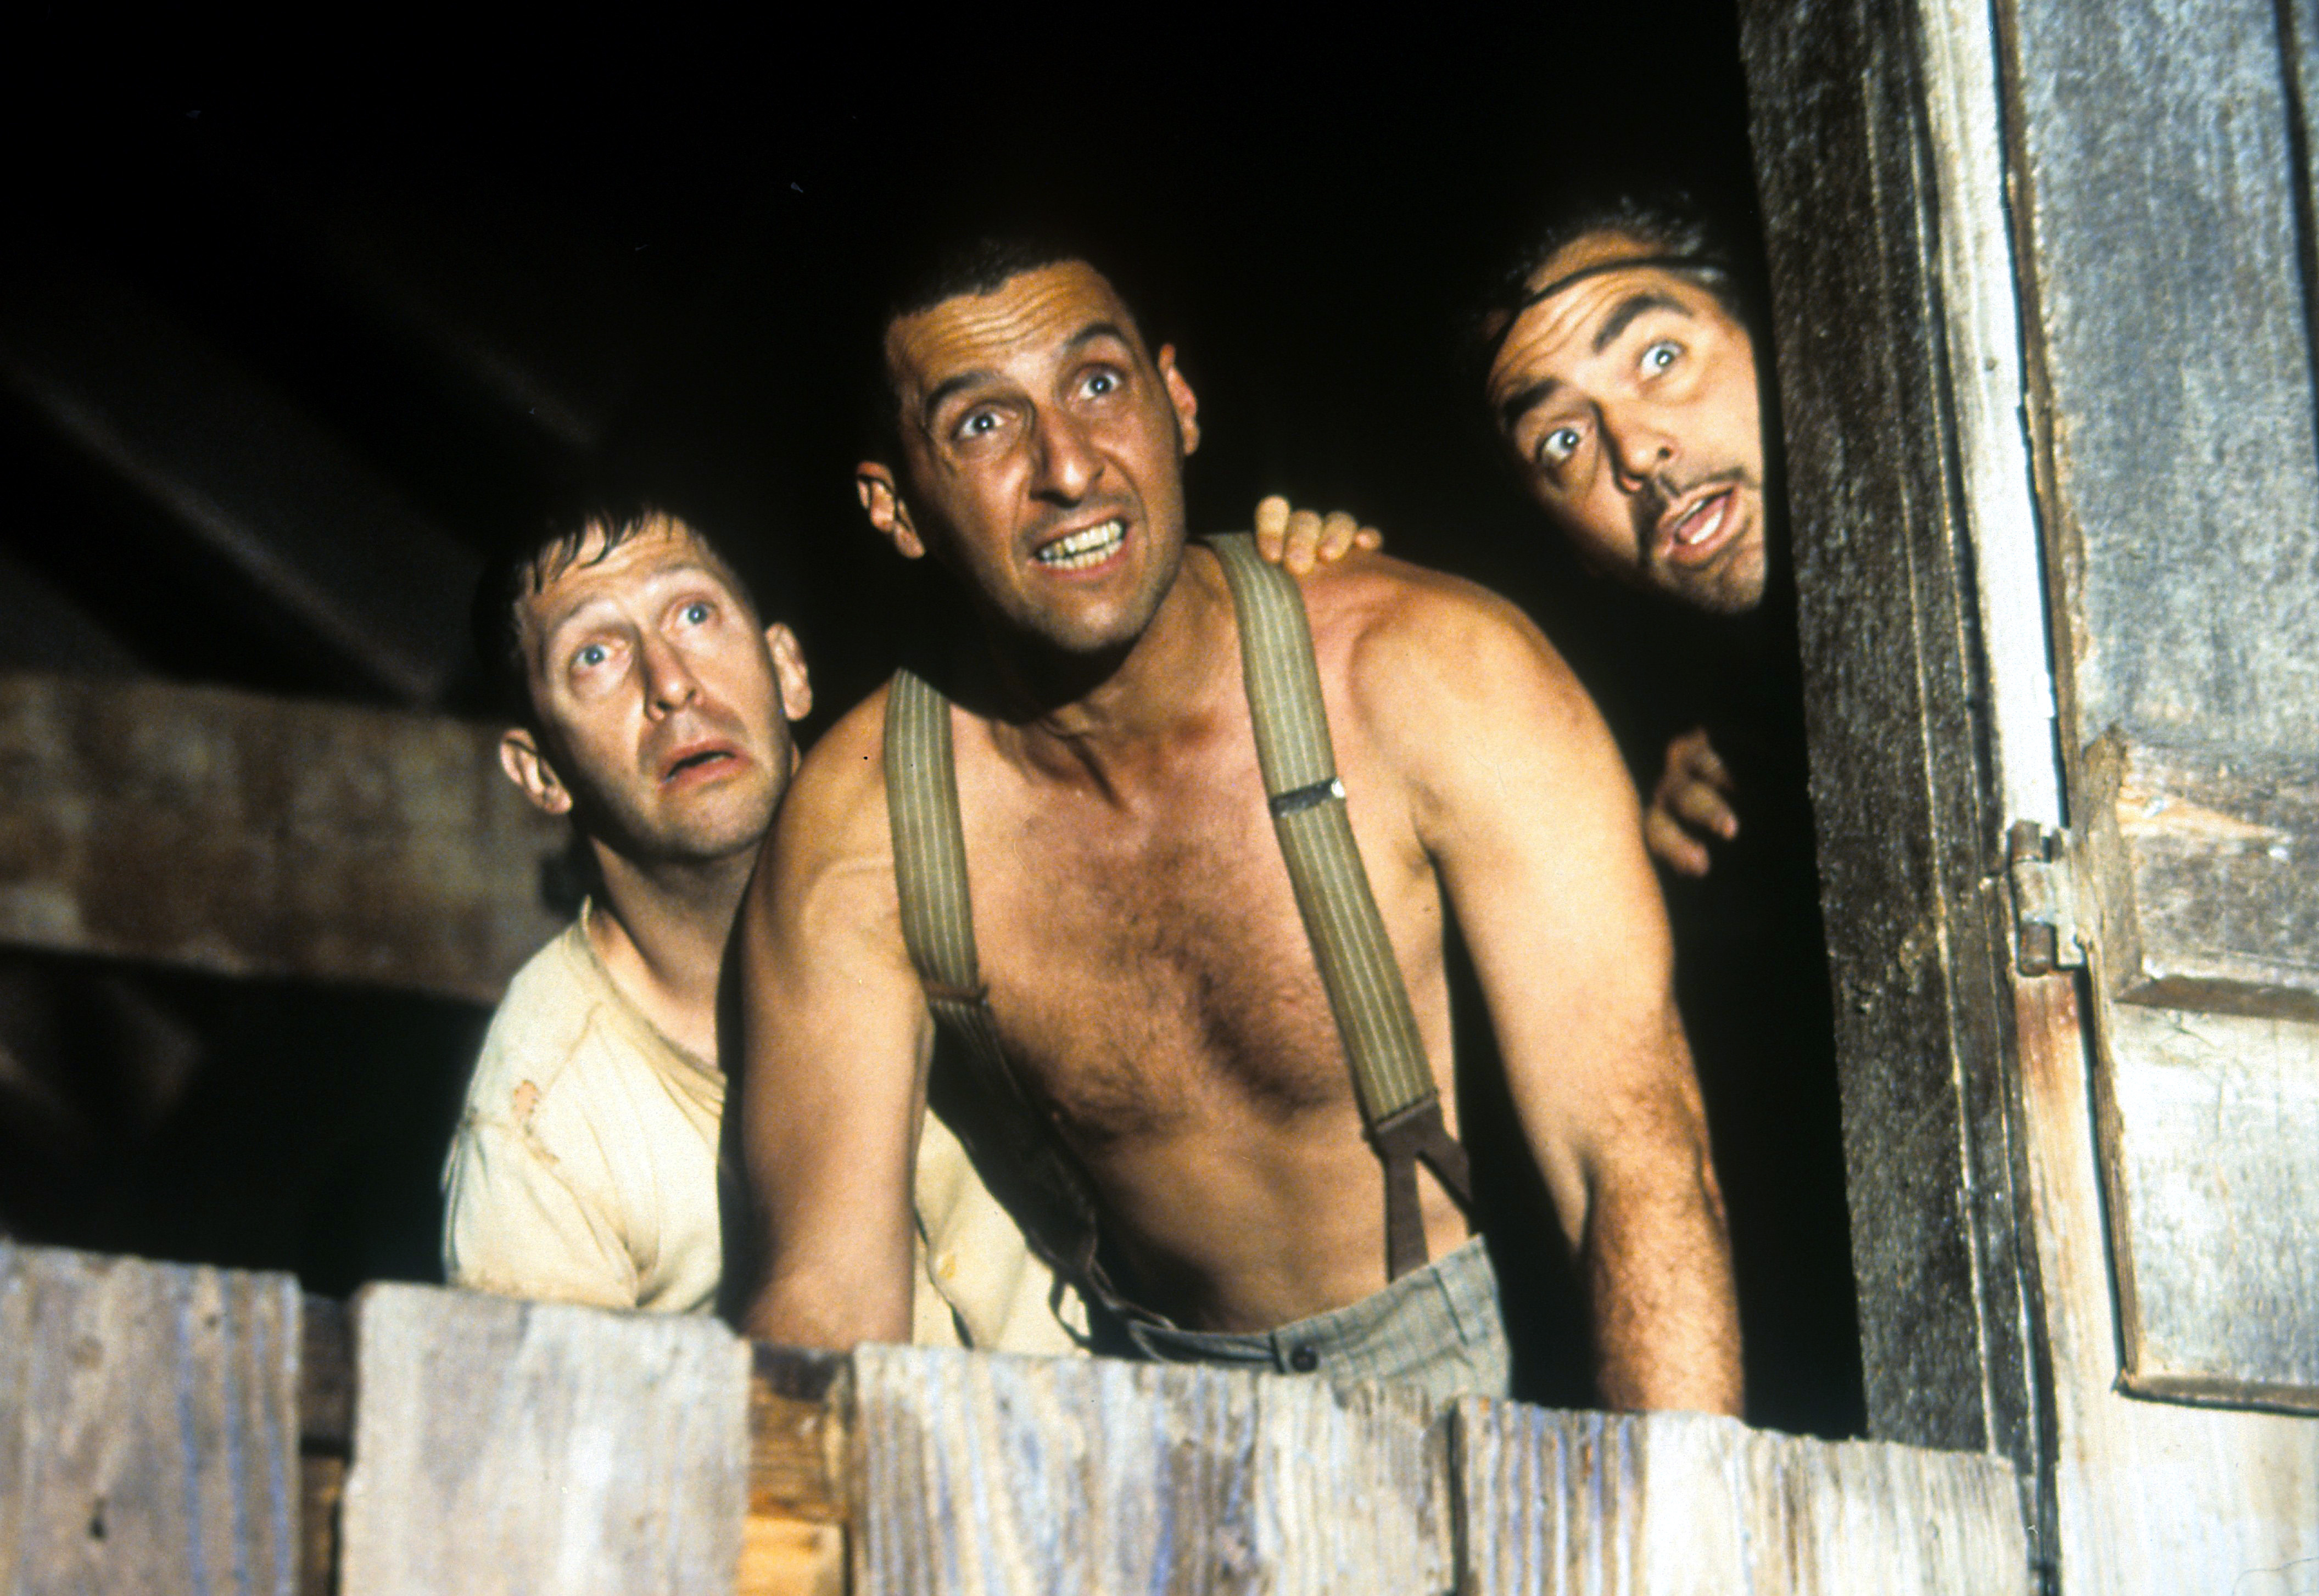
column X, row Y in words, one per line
column 1042, row 453
column 1628, row 400
column 663, row 709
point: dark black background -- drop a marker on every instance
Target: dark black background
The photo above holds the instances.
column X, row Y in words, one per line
column 670, row 221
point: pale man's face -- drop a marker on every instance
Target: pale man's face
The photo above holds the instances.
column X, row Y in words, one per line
column 1043, row 452
column 663, row 709
column 1628, row 400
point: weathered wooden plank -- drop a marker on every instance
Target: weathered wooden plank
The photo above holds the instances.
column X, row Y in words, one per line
column 148, row 1427
column 252, row 835
column 984, row 1475
column 2149, row 1496
column 2174, row 379
column 2207, row 866
column 1689, row 1504
column 793, row 1542
column 2213, row 1170
column 1896, row 716
column 504, row 1446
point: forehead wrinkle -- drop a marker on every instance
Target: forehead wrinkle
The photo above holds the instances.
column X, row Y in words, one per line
column 1542, row 343
column 994, row 330
column 600, row 582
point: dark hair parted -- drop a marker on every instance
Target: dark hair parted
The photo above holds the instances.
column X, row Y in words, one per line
column 525, row 566
column 1672, row 229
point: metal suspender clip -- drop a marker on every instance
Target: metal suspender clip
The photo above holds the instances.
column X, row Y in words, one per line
column 1305, row 797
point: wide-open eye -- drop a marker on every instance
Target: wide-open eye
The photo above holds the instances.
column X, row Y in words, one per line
column 1660, row 355
column 1099, row 383
column 1559, row 445
column 590, row 656
column 695, row 613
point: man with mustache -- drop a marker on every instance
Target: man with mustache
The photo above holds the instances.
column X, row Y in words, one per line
column 651, row 703
column 1166, row 856
column 1621, row 377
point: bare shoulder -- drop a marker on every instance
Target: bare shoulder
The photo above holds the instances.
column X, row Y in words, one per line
column 833, row 821
column 1428, row 656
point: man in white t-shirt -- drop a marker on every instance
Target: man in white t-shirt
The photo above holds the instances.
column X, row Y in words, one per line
column 653, row 705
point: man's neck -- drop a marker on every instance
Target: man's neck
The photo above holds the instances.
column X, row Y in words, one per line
column 1164, row 686
column 662, row 931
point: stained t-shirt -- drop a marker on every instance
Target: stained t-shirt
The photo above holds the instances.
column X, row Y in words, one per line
column 584, row 1170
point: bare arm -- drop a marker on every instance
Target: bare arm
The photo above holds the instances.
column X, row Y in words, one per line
column 1520, row 797
column 836, row 1039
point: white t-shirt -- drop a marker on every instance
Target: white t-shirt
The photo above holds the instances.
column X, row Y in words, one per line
column 584, row 1170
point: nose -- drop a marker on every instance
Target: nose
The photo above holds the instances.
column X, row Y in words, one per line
column 669, row 681
column 1640, row 444
column 1067, row 461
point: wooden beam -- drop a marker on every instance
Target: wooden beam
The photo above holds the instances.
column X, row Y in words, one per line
column 249, row 835
column 1898, row 719
column 238, row 469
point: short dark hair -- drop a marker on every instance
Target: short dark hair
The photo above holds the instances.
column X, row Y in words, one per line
column 951, row 267
column 1679, row 234
column 524, row 565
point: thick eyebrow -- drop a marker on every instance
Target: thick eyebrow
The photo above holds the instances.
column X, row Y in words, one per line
column 1521, row 402
column 1094, row 330
column 950, row 385
column 1632, row 306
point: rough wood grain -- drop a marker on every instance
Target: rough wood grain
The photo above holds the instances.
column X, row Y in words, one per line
column 1896, row 718
column 2208, row 868
column 984, row 1475
column 1685, row 1504
column 504, row 1447
column 2150, row 1496
column 793, row 1542
column 2165, row 280
column 251, row 836
column 2174, row 376
column 148, row 1427
column 2213, row 1171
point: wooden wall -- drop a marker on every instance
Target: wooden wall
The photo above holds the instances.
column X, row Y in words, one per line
column 167, row 1429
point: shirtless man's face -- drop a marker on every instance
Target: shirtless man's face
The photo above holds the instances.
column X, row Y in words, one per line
column 1042, row 451
column 1629, row 402
column 663, row 708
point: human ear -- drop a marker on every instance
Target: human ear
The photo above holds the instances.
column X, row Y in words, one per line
column 1180, row 395
column 527, row 768
column 881, row 501
column 789, row 672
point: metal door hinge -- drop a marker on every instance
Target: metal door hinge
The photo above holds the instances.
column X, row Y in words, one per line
column 2045, row 935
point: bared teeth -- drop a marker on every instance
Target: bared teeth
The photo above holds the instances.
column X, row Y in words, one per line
column 1091, row 547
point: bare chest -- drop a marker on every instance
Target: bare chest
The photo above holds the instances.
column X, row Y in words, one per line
column 1146, row 959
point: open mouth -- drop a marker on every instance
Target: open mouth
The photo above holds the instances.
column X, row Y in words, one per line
column 1699, row 530
column 1089, row 547
column 699, row 763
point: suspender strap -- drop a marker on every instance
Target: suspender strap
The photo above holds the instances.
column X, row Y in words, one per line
column 1016, row 1154
column 1390, row 1077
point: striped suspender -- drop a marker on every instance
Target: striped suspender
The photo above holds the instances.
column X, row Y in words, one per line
column 1025, row 1166
column 1399, row 1104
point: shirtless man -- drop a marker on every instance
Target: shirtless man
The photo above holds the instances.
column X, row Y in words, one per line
column 650, row 702
column 1146, row 969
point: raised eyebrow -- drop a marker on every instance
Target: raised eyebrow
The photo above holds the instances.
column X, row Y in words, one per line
column 949, row 387
column 1632, row 306
column 1522, row 401
column 1094, row 330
